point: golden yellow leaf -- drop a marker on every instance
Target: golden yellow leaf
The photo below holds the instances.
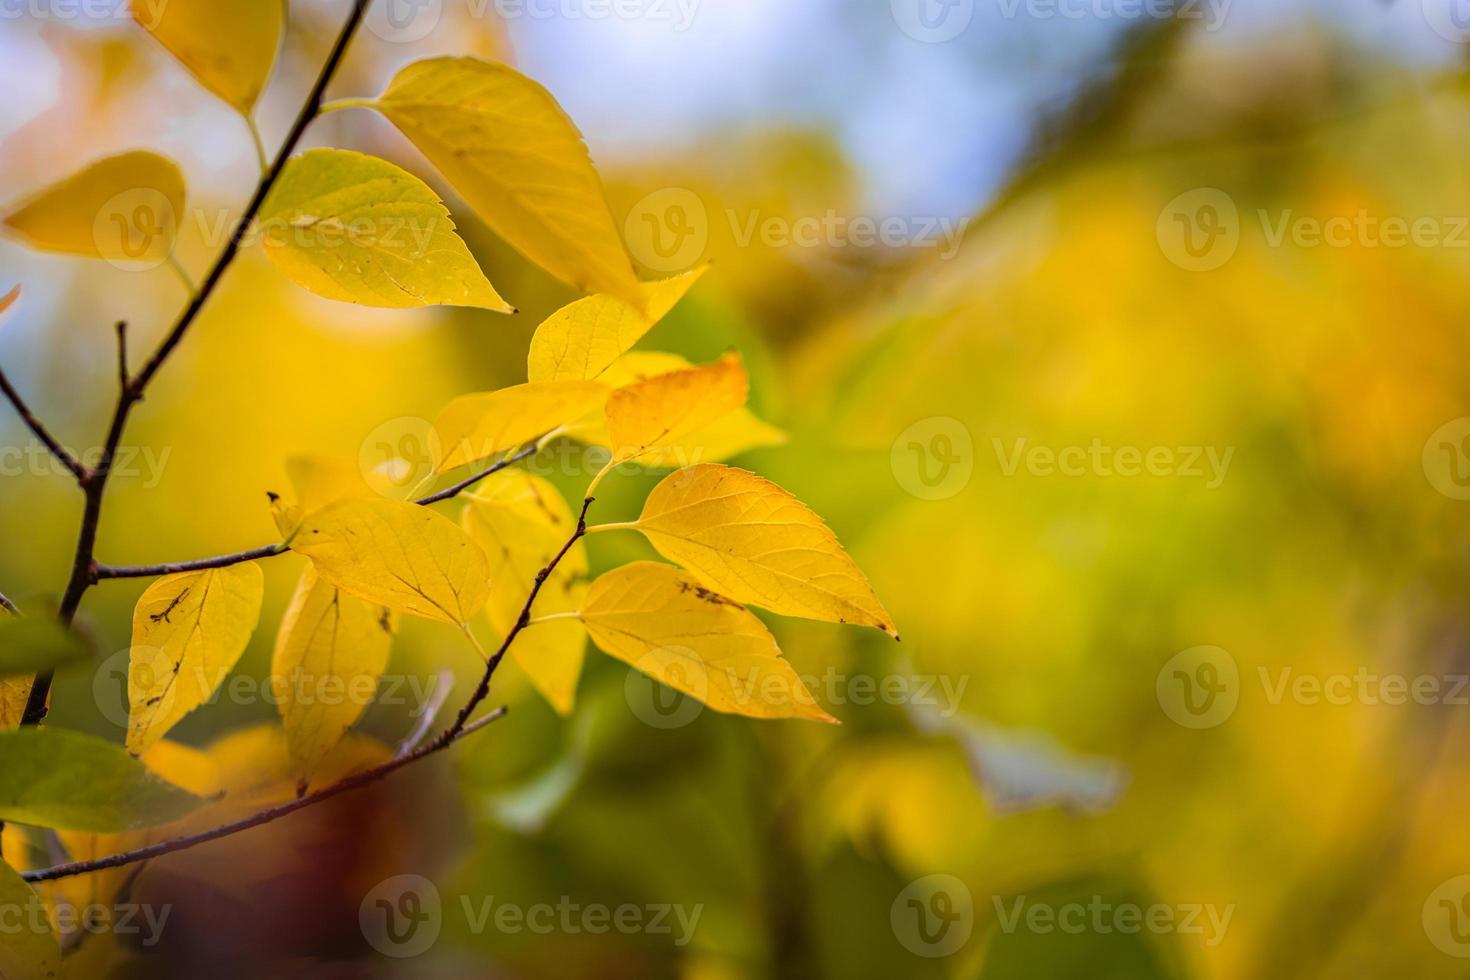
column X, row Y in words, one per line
column 228, row 45
column 507, row 147
column 14, row 691
column 123, row 208
column 733, row 434
column 355, row 228
column 475, row 427
column 322, row 480
column 581, row 340
column 255, row 768
column 660, row 411
column 397, row 554
column 522, row 522
column 660, row 620
column 8, row 300
column 189, row 630
column 748, row 538
column 330, row 653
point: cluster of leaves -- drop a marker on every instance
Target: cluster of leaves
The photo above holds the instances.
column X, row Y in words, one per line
column 330, row 221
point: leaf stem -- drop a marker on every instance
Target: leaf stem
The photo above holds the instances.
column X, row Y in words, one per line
column 551, row 617
column 260, row 154
column 618, row 526
column 178, row 267
column 337, row 104
column 600, row 474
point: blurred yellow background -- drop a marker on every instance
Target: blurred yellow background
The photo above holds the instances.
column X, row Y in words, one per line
column 1147, row 418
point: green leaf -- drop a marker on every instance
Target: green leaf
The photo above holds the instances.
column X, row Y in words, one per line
column 51, row 777
column 355, row 228
column 38, row 644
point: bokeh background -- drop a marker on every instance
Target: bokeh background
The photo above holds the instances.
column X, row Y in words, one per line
column 1147, row 419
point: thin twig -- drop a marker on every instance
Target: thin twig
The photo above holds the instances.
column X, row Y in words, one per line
column 271, row 550
column 29, row 418
column 522, row 621
column 464, row 485
column 269, row 815
column 94, row 481
column 8, row 606
column 462, row 726
column 445, row 683
column 122, row 355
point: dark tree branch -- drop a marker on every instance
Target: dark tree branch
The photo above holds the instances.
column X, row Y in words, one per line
column 94, row 481
column 271, row 550
column 461, row 727
column 524, row 620
column 270, row 815
column 29, row 418
column 7, row 605
column 122, row 355
column 463, row 485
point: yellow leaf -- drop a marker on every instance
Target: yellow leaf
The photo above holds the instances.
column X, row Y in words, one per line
column 255, row 766
column 738, row 432
column 748, row 538
column 355, row 228
column 522, row 522
column 124, row 208
column 583, row 339
column 189, row 630
column 14, row 691
column 663, row 622
column 511, row 152
column 475, row 427
column 322, row 480
column 330, row 653
column 228, row 45
column 396, row 554
column 30, row 950
column 8, row 300
column 664, row 409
